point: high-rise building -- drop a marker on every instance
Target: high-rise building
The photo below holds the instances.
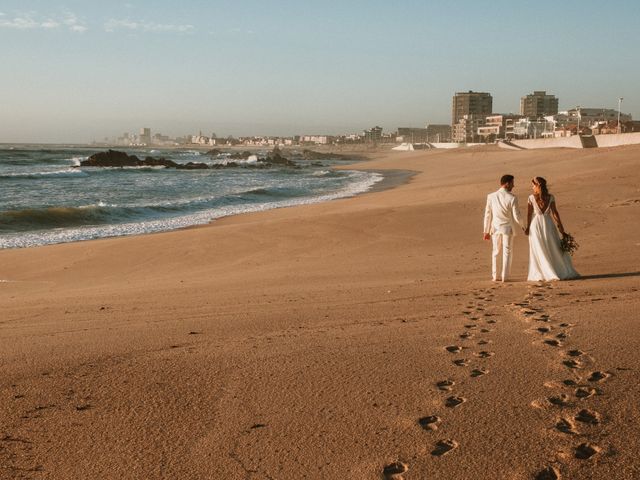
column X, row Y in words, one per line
column 478, row 104
column 538, row 104
column 466, row 130
column 145, row 136
column 373, row 135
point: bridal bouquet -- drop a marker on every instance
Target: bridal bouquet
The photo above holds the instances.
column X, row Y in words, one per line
column 568, row 244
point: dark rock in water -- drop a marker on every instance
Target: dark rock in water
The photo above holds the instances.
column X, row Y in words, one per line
column 240, row 155
column 224, row 165
column 111, row 158
column 276, row 158
column 311, row 155
column 114, row 158
column 192, row 166
column 214, row 152
column 159, row 162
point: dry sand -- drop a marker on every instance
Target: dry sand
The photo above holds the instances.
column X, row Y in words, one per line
column 308, row 342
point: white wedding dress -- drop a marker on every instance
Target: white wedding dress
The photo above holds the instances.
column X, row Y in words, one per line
column 546, row 260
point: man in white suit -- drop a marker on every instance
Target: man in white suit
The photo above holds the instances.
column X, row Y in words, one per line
column 501, row 219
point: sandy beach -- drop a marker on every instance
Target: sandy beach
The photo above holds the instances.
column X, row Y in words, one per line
column 310, row 342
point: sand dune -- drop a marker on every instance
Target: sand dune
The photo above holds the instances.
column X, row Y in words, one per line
column 358, row 338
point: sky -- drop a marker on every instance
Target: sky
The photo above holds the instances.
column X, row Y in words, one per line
column 81, row 70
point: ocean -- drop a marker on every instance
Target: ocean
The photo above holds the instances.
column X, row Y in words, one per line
column 47, row 198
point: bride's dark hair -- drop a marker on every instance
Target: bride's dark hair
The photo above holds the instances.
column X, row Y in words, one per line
column 542, row 183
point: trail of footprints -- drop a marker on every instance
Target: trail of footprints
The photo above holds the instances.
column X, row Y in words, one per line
column 575, row 419
column 470, row 348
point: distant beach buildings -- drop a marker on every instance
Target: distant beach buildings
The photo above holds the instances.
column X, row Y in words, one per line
column 472, row 121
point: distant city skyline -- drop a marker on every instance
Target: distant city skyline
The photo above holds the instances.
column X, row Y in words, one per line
column 78, row 71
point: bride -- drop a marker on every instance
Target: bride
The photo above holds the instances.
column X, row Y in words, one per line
column 546, row 259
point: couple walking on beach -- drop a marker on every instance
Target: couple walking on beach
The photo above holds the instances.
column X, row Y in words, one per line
column 547, row 260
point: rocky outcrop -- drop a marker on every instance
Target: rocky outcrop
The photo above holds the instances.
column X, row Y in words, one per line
column 240, row 155
column 192, row 166
column 114, row 158
column 276, row 158
column 311, row 155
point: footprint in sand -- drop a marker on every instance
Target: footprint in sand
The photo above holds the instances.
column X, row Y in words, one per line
column 544, row 329
column 466, row 335
column 561, row 400
column 453, row 348
column 453, row 402
column 492, row 321
column 585, row 392
column 575, row 353
column 566, row 425
column 461, row 362
column 483, row 342
column 598, row 376
column 549, row 473
column 394, row 470
column 445, row 385
column 586, row 450
column 553, row 342
column 588, row 416
column 566, row 325
column 562, row 335
column 572, row 363
column 429, row 423
column 443, row 447
column 485, row 330
column 484, row 354
column 570, row 383
column 471, row 325
column 478, row 372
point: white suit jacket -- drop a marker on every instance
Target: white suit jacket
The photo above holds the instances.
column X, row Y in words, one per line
column 502, row 215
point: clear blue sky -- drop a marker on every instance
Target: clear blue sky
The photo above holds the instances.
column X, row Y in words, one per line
column 76, row 70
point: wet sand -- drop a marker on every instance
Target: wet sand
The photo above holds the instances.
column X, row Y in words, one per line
column 359, row 338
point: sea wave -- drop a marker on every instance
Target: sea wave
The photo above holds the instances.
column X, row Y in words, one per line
column 67, row 172
column 54, row 217
column 360, row 182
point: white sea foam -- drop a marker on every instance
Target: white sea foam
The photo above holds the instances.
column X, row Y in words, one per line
column 68, row 172
column 75, row 161
column 362, row 181
column 251, row 159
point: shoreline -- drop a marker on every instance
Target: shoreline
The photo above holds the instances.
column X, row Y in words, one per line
column 390, row 179
column 313, row 341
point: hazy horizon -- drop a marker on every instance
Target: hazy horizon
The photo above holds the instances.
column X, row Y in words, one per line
column 81, row 71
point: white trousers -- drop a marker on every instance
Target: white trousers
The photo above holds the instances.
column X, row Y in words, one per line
column 502, row 243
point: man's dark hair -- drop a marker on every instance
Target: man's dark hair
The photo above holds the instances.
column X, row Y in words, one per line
column 506, row 179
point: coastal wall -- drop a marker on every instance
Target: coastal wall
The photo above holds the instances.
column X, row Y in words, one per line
column 559, row 142
column 617, row 140
column 453, row 144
